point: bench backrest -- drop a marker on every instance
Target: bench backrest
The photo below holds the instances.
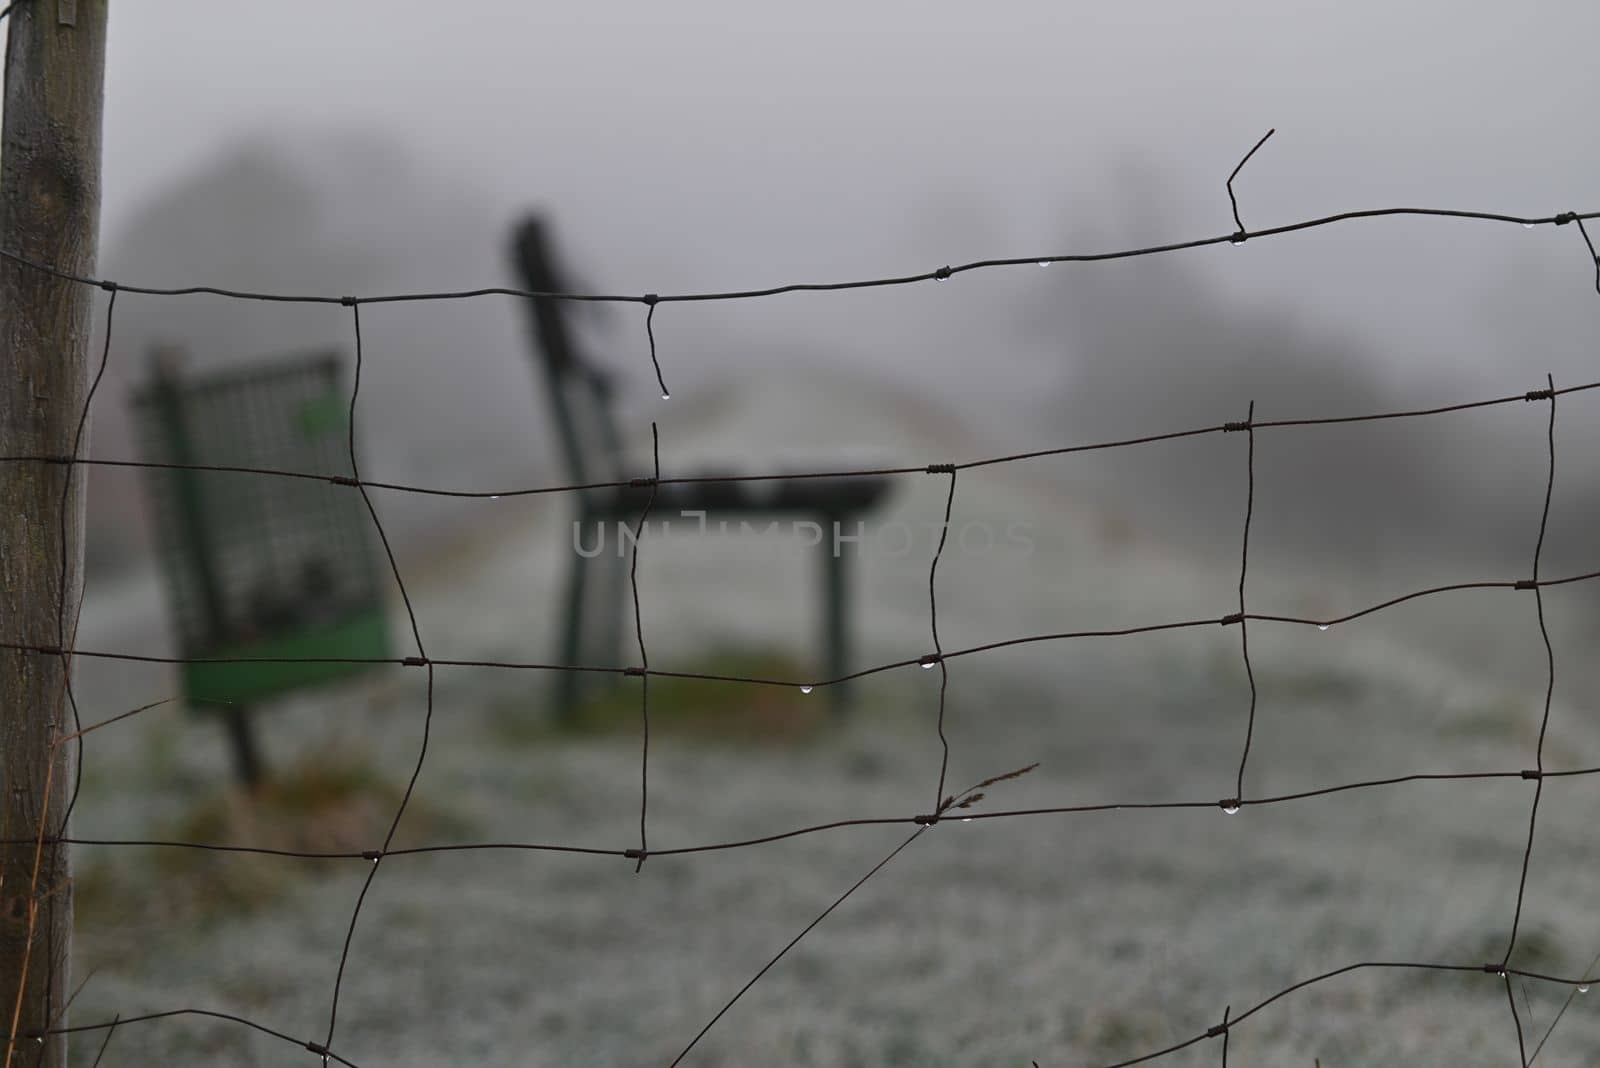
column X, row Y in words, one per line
column 575, row 387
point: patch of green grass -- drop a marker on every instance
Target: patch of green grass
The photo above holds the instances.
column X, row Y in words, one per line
column 1506, row 718
column 1537, row 950
column 695, row 708
column 1314, row 684
column 1118, row 1033
column 324, row 804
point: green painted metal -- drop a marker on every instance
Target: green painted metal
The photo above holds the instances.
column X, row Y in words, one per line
column 324, row 415
column 280, row 576
column 287, row 662
column 167, row 400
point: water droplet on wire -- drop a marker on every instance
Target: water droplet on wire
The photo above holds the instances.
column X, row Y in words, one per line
column 929, row 665
column 806, row 689
column 1322, row 626
column 1583, row 988
column 666, row 395
column 1231, row 808
column 1044, row 263
column 1527, row 226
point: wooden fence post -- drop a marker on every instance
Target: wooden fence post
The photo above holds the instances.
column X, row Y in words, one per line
column 49, row 213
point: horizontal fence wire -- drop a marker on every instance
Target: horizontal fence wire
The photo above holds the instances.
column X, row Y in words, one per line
column 963, row 805
column 937, row 274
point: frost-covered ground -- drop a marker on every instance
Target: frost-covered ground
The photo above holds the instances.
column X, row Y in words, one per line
column 1067, row 939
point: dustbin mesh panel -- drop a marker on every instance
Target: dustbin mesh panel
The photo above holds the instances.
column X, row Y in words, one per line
column 255, row 556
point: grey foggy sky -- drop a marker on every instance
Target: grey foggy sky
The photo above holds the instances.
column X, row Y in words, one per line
column 719, row 144
column 777, row 141
column 714, row 145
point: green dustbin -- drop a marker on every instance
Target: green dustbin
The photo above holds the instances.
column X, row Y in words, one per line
column 278, row 575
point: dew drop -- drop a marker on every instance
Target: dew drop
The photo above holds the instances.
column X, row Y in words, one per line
column 666, row 395
column 929, row 665
column 1583, row 988
column 1527, row 226
column 1322, row 626
column 805, row 689
column 1044, row 263
column 494, row 496
column 1236, row 241
column 1230, row 809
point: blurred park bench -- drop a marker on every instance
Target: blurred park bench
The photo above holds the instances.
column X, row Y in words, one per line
column 580, row 395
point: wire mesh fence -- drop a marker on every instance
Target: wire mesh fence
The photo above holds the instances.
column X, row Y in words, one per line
column 969, row 804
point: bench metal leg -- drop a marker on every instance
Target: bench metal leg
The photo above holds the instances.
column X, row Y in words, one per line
column 247, row 765
column 836, row 621
column 566, row 687
column 614, row 597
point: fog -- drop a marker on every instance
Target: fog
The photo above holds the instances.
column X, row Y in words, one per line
column 364, row 147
